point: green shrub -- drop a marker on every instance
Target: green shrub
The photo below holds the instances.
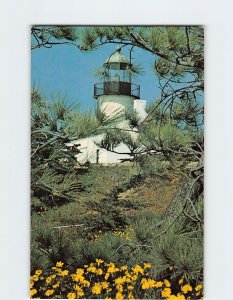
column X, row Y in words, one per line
column 104, row 247
column 53, row 245
column 184, row 254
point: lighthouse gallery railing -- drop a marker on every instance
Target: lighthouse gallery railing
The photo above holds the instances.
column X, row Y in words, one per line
column 117, row 88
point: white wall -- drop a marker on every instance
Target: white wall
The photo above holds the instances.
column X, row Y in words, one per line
column 111, row 105
column 116, row 158
column 140, row 108
column 89, row 148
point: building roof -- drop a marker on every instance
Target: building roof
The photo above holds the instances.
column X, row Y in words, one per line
column 117, row 58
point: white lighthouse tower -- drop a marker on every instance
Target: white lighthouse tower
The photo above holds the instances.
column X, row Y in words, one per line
column 117, row 92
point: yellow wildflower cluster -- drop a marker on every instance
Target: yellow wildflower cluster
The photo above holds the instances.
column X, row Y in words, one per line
column 106, row 281
column 127, row 234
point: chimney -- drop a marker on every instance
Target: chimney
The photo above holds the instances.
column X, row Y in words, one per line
column 140, row 108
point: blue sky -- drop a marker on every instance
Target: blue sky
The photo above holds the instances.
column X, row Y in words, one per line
column 65, row 70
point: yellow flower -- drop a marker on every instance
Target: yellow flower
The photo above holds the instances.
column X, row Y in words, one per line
column 198, row 287
column 181, row 281
column 119, row 288
column 119, row 296
column 59, row 264
column 53, row 276
column 91, row 269
column 34, row 278
column 38, row 272
column 166, row 292
column 127, row 279
column 124, row 268
column 130, row 295
column 167, row 283
column 158, row 284
column 85, row 283
column 71, row 295
column 97, row 288
column 79, row 290
column 77, row 277
column 186, row 288
column 108, row 298
column 99, row 261
column 180, row 297
column 134, row 277
column 147, row 283
column 48, row 279
column 80, row 271
column 147, row 265
column 49, row 292
column 138, row 269
column 104, row 284
column 120, row 280
column 33, row 292
column 112, row 268
column 31, row 284
column 130, row 287
column 106, row 276
column 64, row 273
column 56, row 285
column 99, row 271
column 172, row 297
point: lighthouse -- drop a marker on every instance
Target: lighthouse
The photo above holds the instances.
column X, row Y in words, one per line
column 114, row 95
column 116, row 92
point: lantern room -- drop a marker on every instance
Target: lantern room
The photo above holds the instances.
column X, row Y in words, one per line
column 117, row 79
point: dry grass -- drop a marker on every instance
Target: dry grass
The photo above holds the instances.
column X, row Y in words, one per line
column 100, row 181
column 154, row 195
